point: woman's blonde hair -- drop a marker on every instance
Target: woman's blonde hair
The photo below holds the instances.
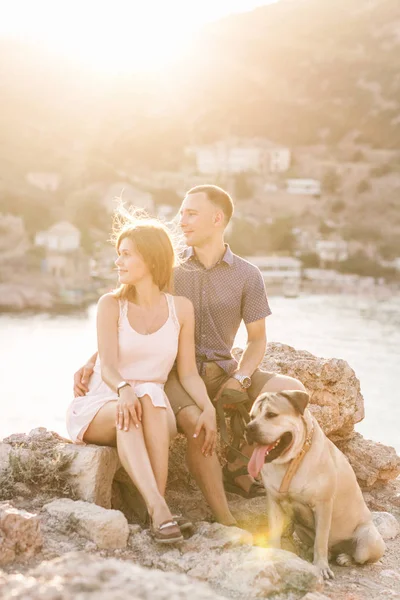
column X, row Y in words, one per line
column 152, row 241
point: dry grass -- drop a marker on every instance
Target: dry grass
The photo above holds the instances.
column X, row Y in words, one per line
column 36, row 468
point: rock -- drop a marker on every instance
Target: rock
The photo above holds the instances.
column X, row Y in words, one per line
column 20, row 535
column 314, row 596
column 79, row 575
column 106, row 528
column 223, row 557
column 384, row 497
column 387, row 525
column 92, row 471
column 373, row 463
column 335, row 396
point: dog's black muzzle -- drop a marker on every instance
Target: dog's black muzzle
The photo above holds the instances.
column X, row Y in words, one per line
column 250, row 433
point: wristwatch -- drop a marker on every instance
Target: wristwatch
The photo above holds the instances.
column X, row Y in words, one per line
column 244, row 380
column 121, row 385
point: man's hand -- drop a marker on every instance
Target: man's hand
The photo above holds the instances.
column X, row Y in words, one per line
column 81, row 379
column 207, row 421
column 231, row 384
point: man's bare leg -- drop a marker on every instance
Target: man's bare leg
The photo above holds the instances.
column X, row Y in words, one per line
column 206, row 470
column 279, row 383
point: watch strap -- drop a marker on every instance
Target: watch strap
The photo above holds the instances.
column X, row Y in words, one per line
column 121, row 385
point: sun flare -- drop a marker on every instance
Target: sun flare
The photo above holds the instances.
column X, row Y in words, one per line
column 121, row 35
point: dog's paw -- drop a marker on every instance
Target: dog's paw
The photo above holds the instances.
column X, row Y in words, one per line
column 344, row 560
column 324, row 570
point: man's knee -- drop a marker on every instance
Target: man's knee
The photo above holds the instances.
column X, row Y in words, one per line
column 187, row 419
column 279, row 383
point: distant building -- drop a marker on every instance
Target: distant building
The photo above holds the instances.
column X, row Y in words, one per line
column 62, row 236
column 392, row 264
column 64, row 259
column 276, row 269
column 45, row 181
column 331, row 251
column 308, row 187
column 228, row 157
column 130, row 196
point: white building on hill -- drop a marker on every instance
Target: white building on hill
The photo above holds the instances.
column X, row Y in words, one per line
column 227, row 157
column 307, row 187
column 61, row 237
column 332, row 250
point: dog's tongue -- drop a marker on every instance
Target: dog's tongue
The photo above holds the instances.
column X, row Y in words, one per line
column 257, row 459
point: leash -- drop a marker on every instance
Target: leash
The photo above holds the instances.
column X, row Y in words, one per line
column 296, row 461
column 239, row 419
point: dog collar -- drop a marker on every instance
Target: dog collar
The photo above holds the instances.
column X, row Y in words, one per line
column 295, row 462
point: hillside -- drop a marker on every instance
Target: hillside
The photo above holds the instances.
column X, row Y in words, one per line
column 301, row 71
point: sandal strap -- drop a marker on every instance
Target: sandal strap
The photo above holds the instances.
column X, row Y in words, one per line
column 166, row 524
column 231, row 475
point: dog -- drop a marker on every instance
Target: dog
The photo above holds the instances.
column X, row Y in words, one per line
column 307, row 478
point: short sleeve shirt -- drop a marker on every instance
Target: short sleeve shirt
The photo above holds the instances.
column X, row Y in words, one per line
column 223, row 295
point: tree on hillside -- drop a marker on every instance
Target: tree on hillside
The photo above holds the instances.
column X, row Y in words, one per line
column 244, row 188
column 331, row 181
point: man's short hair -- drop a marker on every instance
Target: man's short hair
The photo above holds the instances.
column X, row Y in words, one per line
column 217, row 196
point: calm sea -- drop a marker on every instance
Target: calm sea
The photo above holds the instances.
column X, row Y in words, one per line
column 39, row 354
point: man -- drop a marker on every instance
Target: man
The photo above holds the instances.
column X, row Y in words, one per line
column 224, row 289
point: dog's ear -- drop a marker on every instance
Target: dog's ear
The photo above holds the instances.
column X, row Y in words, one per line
column 258, row 402
column 297, row 399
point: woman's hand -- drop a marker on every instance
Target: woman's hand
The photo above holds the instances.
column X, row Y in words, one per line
column 207, row 421
column 128, row 407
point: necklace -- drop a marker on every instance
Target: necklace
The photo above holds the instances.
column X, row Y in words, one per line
column 148, row 325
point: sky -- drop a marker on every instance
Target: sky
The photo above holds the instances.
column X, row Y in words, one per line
column 106, row 34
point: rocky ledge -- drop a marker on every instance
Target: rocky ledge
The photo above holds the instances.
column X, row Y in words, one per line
column 70, row 520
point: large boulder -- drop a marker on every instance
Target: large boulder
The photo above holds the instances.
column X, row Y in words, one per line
column 335, row 396
column 92, row 471
column 225, row 558
column 20, row 536
column 373, row 463
column 80, row 575
column 106, row 528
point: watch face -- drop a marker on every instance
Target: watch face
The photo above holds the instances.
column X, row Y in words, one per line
column 246, row 383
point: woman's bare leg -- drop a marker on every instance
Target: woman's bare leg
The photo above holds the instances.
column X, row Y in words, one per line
column 155, row 421
column 134, row 457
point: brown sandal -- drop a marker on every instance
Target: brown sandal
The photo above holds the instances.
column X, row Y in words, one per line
column 183, row 523
column 167, row 532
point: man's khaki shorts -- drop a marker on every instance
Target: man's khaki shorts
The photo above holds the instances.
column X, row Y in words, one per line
column 213, row 376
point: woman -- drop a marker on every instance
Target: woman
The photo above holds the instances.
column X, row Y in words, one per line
column 141, row 330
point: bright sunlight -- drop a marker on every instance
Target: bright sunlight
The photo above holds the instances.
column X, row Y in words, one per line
column 118, row 35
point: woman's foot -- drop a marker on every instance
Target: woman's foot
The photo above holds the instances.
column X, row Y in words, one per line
column 163, row 527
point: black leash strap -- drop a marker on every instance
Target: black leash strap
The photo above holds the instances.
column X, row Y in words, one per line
column 239, row 419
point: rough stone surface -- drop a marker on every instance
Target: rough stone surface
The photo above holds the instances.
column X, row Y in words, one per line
column 225, row 558
column 373, row 463
column 335, row 396
column 315, row 596
column 92, row 471
column 387, row 525
column 5, row 450
column 20, row 536
column 106, row 528
column 385, row 497
column 79, row 576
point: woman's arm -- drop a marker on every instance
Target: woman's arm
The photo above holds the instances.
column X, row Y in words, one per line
column 190, row 378
column 128, row 405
